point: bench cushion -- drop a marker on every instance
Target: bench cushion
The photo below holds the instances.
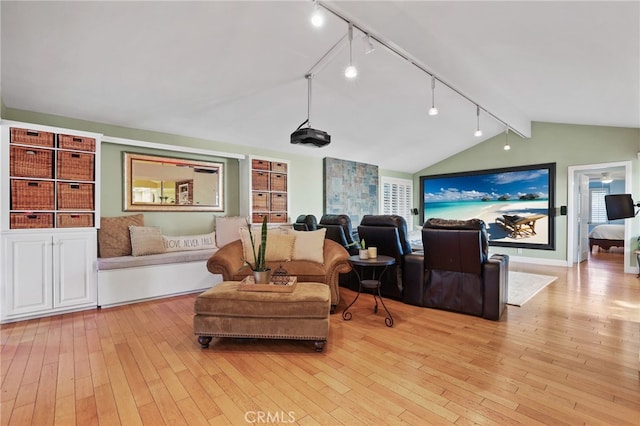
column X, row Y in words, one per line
column 121, row 262
column 308, row 300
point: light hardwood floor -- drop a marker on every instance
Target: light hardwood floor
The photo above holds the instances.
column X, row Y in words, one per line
column 568, row 356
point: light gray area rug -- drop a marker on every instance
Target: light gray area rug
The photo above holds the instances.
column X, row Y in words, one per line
column 523, row 286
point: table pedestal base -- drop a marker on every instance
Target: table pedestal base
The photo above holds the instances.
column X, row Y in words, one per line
column 372, row 285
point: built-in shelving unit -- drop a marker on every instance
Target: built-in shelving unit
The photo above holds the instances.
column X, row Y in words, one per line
column 267, row 190
column 49, row 212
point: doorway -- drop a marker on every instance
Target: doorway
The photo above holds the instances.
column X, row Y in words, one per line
column 585, row 184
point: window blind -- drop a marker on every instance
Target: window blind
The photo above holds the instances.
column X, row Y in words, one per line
column 598, row 208
column 397, row 197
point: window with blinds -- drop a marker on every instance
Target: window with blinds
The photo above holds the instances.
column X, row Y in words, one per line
column 598, row 208
column 397, row 197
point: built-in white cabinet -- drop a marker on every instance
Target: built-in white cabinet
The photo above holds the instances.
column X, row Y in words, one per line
column 49, row 214
column 45, row 273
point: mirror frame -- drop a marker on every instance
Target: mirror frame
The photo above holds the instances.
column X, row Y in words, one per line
column 129, row 157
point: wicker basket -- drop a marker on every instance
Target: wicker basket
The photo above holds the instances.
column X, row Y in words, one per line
column 71, row 220
column 257, row 217
column 278, row 202
column 279, row 167
column 75, row 165
column 278, row 217
column 31, row 195
column 260, row 181
column 31, row 162
column 32, row 137
column 76, row 142
column 75, row 196
column 30, row 220
column 260, row 201
column 260, row 165
column 278, row 182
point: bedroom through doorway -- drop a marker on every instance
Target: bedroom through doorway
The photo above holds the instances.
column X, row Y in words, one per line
column 596, row 240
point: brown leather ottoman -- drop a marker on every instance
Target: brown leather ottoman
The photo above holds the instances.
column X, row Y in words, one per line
column 224, row 311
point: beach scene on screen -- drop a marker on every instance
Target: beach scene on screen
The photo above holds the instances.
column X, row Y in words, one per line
column 513, row 204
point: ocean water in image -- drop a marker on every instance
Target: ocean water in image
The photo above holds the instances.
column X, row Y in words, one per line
column 470, row 209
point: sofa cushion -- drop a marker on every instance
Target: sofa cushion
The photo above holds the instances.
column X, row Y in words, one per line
column 309, row 245
column 228, row 229
column 279, row 245
column 189, row 242
column 146, row 240
column 114, row 238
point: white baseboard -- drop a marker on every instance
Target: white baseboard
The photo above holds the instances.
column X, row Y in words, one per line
column 539, row 261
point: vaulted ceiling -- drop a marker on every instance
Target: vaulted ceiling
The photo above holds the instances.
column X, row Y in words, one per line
column 233, row 71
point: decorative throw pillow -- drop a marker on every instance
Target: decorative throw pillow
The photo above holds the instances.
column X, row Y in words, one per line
column 113, row 236
column 227, row 229
column 279, row 245
column 146, row 240
column 189, row 242
column 309, row 245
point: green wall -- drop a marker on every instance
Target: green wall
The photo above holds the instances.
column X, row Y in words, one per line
column 563, row 144
column 305, row 186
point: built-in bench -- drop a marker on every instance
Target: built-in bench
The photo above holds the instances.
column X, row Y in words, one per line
column 129, row 279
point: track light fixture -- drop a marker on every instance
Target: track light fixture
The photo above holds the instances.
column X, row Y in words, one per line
column 370, row 47
column 507, row 147
column 433, row 110
column 317, row 18
column 351, row 71
column 478, row 132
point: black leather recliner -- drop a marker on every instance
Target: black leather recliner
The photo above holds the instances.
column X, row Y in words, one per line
column 339, row 229
column 306, row 222
column 389, row 234
column 455, row 272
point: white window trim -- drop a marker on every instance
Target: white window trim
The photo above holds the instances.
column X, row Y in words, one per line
column 401, row 207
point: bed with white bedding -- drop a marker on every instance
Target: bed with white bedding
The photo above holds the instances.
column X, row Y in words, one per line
column 606, row 236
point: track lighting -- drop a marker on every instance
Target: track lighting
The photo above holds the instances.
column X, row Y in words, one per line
column 507, row 147
column 317, row 18
column 370, row 47
column 478, row 132
column 433, row 110
column 350, row 71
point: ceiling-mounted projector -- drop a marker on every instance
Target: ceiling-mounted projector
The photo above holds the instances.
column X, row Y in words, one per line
column 309, row 136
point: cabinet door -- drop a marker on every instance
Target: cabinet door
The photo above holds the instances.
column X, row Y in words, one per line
column 74, row 259
column 27, row 271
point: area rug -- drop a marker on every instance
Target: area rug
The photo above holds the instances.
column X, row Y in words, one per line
column 523, row 286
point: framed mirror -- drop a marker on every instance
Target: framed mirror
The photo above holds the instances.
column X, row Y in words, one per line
column 154, row 183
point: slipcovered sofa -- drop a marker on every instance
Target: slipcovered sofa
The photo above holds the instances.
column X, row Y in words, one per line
column 228, row 261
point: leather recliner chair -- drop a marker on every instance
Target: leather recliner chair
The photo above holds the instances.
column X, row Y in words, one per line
column 389, row 234
column 455, row 273
column 306, row 222
column 339, row 229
